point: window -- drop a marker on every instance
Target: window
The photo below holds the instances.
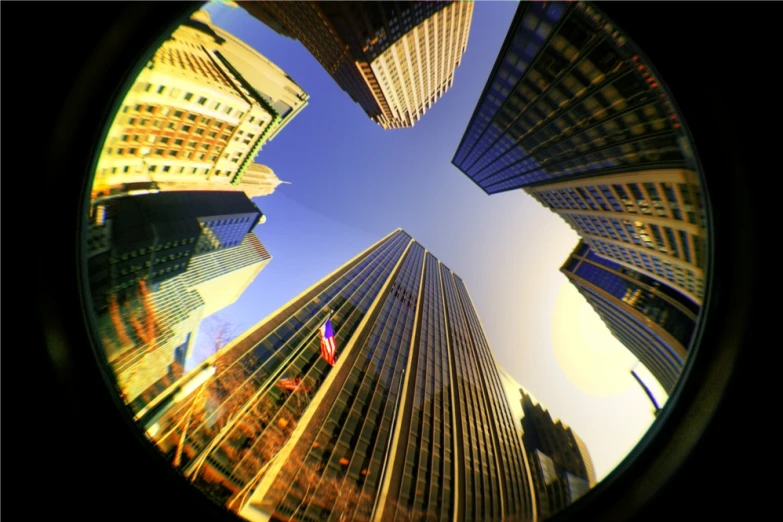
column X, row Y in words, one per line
column 166, row 168
column 186, row 128
column 202, row 100
column 178, row 142
column 177, row 114
column 172, row 152
column 188, row 96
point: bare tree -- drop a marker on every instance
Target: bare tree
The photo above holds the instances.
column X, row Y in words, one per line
column 225, row 388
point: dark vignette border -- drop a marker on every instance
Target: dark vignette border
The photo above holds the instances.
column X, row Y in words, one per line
column 694, row 444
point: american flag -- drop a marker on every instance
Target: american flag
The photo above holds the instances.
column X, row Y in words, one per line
column 328, row 348
column 289, row 383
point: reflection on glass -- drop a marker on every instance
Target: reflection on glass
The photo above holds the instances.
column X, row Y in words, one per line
column 413, row 418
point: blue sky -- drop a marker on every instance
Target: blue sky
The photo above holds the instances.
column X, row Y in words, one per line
column 352, row 183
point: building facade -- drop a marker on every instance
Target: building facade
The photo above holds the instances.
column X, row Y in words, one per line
column 259, row 180
column 197, row 114
column 561, row 467
column 568, row 97
column 395, row 59
column 648, row 221
column 155, row 328
column 153, row 237
column 412, row 420
column 574, row 116
column 655, row 322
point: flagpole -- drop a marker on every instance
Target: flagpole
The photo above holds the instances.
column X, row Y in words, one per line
column 195, row 466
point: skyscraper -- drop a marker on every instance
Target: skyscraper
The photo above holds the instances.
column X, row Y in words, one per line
column 158, row 326
column 651, row 222
column 568, row 96
column 153, row 237
column 574, row 115
column 561, row 468
column 560, row 464
column 395, row 59
column 655, row 322
column 197, row 115
column 411, row 419
column 259, row 180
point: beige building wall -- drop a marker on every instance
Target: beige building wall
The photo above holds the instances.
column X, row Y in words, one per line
column 658, row 231
column 192, row 119
column 283, row 93
column 419, row 68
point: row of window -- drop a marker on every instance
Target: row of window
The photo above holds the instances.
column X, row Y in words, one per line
column 310, row 361
column 345, row 430
column 191, row 97
column 680, row 277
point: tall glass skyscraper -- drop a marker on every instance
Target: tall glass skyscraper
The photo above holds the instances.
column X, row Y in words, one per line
column 568, row 95
column 653, row 321
column 412, row 420
column 574, row 115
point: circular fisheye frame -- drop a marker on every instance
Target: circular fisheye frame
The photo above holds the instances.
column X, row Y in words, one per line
column 383, row 261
